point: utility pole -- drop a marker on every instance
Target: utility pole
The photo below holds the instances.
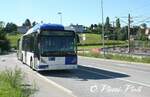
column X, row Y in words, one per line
column 114, row 35
column 103, row 33
column 60, row 14
column 129, row 24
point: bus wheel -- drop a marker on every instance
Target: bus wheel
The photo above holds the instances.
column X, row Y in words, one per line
column 21, row 57
column 32, row 65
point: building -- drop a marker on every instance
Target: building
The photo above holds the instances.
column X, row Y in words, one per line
column 77, row 28
column 147, row 32
column 22, row 29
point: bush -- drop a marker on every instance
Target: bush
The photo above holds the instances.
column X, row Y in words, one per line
column 4, row 45
column 4, row 42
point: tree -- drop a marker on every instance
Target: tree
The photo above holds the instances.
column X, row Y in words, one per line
column 2, row 24
column 4, row 43
column 10, row 28
column 1, row 29
column 134, row 30
column 123, row 35
column 95, row 28
column 107, row 25
column 27, row 23
column 117, row 29
column 92, row 27
column 143, row 26
column 107, row 28
column 118, row 25
column 34, row 23
column 88, row 30
column 99, row 28
column 141, row 34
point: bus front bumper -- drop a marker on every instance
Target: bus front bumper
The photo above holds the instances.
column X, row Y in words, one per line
column 56, row 67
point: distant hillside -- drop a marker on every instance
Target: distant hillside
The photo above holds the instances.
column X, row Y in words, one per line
column 96, row 39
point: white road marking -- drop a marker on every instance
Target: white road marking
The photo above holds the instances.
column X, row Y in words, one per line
column 130, row 81
column 55, row 84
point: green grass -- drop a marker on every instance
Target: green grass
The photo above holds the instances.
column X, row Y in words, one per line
column 91, row 38
column 95, row 41
column 11, row 84
column 13, row 40
column 88, row 47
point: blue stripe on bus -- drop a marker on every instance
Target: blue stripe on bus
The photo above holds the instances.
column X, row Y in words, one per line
column 48, row 27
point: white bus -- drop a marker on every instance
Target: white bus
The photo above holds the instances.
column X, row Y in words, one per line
column 48, row 47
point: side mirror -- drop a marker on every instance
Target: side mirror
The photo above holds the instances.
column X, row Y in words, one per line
column 37, row 55
column 77, row 38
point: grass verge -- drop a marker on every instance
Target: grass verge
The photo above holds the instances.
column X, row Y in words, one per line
column 12, row 84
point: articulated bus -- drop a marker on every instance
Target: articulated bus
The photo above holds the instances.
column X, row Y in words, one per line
column 48, row 47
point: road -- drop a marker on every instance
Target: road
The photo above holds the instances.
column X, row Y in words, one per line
column 93, row 78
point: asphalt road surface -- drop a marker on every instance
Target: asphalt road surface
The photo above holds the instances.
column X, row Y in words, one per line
column 93, row 78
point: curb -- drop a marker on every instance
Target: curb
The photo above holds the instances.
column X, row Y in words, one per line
column 56, row 85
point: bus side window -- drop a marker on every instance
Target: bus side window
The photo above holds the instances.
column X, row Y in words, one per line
column 32, row 43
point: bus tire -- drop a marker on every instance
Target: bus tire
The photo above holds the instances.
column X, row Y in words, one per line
column 31, row 63
column 21, row 57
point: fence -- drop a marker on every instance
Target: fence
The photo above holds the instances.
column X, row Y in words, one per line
column 140, row 44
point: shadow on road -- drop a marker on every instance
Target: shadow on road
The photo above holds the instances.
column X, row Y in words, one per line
column 84, row 73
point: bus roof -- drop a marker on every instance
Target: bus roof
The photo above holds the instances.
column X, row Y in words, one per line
column 56, row 27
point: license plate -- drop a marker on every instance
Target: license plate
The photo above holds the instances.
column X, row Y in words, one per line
column 51, row 58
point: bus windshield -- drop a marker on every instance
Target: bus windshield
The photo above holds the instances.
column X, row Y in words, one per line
column 57, row 44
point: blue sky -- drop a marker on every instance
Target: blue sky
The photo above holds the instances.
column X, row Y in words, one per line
column 83, row 12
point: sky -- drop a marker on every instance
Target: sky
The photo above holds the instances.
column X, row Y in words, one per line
column 84, row 12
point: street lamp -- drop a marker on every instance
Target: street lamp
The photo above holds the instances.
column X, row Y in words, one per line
column 103, row 33
column 60, row 14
